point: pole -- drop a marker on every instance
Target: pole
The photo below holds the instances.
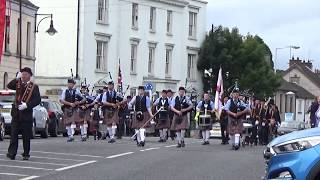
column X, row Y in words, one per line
column 275, row 61
column 20, row 35
column 78, row 37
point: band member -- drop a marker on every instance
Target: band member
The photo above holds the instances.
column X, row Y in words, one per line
column 236, row 111
column 141, row 104
column 255, row 110
column 95, row 115
column 84, row 112
column 263, row 123
column 171, row 133
column 111, row 101
column 224, row 123
column 181, row 105
column 274, row 121
column 71, row 98
column 128, row 116
column 205, row 108
column 163, row 120
column 26, row 98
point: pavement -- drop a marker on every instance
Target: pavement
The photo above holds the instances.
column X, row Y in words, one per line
column 55, row 159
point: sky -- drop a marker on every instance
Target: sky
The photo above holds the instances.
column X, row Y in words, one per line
column 280, row 23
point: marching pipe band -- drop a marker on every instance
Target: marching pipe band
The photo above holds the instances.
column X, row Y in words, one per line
column 109, row 114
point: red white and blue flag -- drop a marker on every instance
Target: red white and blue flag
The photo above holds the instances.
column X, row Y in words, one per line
column 219, row 93
column 120, row 84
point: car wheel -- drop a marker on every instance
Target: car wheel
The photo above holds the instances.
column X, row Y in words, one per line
column 44, row 133
column 54, row 131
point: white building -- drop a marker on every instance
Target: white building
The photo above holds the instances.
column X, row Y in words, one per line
column 157, row 42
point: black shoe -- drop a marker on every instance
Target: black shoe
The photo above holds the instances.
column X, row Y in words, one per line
column 223, row 143
column 183, row 144
column 138, row 144
column 172, row 138
column 179, row 145
column 70, row 139
column 112, row 141
column 25, row 158
column 160, row 141
column 206, row 143
column 83, row 139
column 164, row 140
column 142, row 143
column 236, row 147
column 12, row 157
column 119, row 137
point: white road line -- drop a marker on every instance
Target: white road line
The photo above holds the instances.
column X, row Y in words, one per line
column 149, row 149
column 33, row 162
column 26, row 167
column 39, row 157
column 119, row 155
column 171, row 146
column 29, row 178
column 12, row 174
column 68, row 154
column 76, row 165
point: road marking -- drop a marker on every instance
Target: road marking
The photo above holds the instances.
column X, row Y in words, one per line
column 76, row 165
column 33, row 162
column 149, row 149
column 119, row 155
column 68, row 154
column 12, row 174
column 26, row 167
column 171, row 146
column 39, row 157
column 29, row 178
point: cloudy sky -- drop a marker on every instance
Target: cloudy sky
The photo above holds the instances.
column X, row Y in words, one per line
column 280, row 23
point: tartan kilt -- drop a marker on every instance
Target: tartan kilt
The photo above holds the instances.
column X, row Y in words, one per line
column 136, row 124
column 69, row 115
column 235, row 126
column 179, row 126
column 163, row 123
column 111, row 117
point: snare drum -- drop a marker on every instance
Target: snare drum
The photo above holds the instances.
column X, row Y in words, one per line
column 163, row 115
column 205, row 120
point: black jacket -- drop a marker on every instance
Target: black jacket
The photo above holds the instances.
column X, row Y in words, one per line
column 27, row 114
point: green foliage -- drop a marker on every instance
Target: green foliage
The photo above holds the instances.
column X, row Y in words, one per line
column 243, row 58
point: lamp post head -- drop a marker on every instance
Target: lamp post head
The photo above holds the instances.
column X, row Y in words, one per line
column 51, row 31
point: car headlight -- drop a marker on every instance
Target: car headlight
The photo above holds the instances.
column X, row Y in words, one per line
column 296, row 145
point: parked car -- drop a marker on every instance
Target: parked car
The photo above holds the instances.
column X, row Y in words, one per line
column 290, row 126
column 56, row 125
column 294, row 156
column 40, row 114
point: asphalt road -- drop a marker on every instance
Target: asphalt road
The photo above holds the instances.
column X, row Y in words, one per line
column 55, row 159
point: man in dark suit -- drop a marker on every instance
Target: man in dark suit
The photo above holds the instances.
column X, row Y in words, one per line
column 27, row 97
column 315, row 113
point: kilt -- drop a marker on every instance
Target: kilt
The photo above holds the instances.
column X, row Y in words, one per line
column 69, row 115
column 80, row 115
column 176, row 125
column 136, row 124
column 110, row 117
column 84, row 115
column 235, row 126
column 163, row 123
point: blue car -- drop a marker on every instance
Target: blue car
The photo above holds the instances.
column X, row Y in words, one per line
column 294, row 156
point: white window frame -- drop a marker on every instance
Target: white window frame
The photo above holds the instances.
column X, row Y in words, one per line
column 134, row 18
column 134, row 45
column 7, row 34
column 168, row 60
column 103, row 12
column 191, row 64
column 192, row 25
column 103, row 39
column 151, row 58
column 169, row 22
column 28, row 39
column 153, row 15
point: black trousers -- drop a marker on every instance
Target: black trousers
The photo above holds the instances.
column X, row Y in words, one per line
column 120, row 128
column 263, row 134
column 224, row 130
column 26, row 130
column 254, row 134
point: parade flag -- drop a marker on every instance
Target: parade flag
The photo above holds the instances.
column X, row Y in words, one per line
column 120, row 87
column 219, row 93
column 2, row 24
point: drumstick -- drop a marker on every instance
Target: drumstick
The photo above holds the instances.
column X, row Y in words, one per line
column 147, row 122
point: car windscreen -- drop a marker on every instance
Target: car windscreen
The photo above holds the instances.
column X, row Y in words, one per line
column 7, row 98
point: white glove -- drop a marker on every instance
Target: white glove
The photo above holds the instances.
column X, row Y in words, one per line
column 22, row 106
column 19, row 75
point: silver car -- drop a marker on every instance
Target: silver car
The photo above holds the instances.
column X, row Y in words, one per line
column 40, row 114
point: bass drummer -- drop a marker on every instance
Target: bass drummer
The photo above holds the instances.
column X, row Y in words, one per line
column 205, row 109
column 163, row 121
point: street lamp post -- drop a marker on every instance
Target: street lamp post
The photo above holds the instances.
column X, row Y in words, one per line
column 276, row 55
column 51, row 31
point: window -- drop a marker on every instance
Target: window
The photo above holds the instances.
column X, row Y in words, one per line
column 7, row 35
column 134, row 15
column 153, row 19
column 101, row 55
column 191, row 66
column 133, row 62
column 168, row 62
column 28, row 39
column 103, row 11
column 300, row 106
column 192, row 24
column 18, row 37
column 151, row 60
column 295, row 79
column 169, row 22
column 5, row 80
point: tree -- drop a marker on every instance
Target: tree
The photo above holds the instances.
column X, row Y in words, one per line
column 243, row 58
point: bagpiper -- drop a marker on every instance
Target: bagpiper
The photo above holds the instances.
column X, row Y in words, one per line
column 181, row 105
column 71, row 98
column 111, row 101
column 205, row 109
column 85, row 112
column 236, row 110
column 171, row 133
column 141, row 105
column 163, row 120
